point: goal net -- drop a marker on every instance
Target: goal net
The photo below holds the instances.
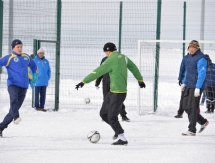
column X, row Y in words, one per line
column 159, row 62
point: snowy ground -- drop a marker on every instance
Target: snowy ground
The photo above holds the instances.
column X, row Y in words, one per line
column 60, row 137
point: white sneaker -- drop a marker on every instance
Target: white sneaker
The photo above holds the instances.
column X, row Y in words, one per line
column 203, row 126
column 17, row 120
column 188, row 133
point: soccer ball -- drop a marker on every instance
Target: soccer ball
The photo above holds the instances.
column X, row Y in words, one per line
column 87, row 100
column 93, row 136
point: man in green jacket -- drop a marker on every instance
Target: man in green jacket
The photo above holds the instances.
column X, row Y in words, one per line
column 116, row 65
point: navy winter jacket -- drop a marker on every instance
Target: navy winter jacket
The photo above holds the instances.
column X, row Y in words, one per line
column 183, row 67
column 17, row 68
column 210, row 78
column 196, row 68
column 44, row 71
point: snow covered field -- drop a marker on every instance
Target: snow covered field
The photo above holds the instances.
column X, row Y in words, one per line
column 60, row 137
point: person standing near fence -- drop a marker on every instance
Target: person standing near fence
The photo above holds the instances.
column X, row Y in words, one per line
column 17, row 64
column 116, row 65
column 210, row 86
column 44, row 76
column 106, row 88
column 192, row 87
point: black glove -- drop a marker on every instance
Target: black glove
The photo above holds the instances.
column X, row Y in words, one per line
column 81, row 84
column 142, row 84
column 180, row 82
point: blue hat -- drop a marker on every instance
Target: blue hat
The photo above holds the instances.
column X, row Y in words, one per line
column 15, row 42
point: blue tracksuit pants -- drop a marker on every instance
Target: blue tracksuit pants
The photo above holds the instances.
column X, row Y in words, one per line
column 17, row 96
column 39, row 96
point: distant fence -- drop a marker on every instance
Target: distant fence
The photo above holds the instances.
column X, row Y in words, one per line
column 82, row 28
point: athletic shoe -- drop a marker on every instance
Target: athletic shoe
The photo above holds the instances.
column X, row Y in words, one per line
column 120, row 142
column 125, row 118
column 1, row 135
column 203, row 126
column 41, row 109
column 188, row 133
column 208, row 111
column 115, row 136
column 17, row 120
column 178, row 116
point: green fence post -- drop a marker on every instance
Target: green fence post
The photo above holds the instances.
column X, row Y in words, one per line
column 1, row 29
column 120, row 26
column 157, row 54
column 57, row 73
column 184, row 28
column 35, row 48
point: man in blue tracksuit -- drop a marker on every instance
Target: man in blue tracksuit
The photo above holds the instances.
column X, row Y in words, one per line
column 17, row 64
column 42, row 82
column 192, row 87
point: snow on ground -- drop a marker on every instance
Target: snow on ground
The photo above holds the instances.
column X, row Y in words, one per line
column 61, row 137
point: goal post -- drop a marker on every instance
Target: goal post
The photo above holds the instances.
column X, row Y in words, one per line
column 159, row 62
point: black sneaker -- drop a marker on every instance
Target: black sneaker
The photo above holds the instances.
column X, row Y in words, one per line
column 120, row 142
column 208, row 111
column 1, row 135
column 125, row 118
column 179, row 116
column 115, row 136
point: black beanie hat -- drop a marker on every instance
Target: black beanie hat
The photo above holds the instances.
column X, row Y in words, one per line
column 15, row 42
column 109, row 47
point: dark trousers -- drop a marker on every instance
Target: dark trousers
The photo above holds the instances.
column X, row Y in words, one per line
column 190, row 104
column 210, row 93
column 39, row 96
column 17, row 96
column 181, row 110
column 110, row 110
column 106, row 89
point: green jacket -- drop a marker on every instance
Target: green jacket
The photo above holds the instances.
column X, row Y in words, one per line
column 116, row 64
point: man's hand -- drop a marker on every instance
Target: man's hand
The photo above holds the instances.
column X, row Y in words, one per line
column 97, row 87
column 180, row 82
column 197, row 92
column 79, row 85
column 141, row 84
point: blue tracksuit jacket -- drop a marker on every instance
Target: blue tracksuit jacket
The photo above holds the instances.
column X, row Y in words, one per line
column 44, row 71
column 17, row 68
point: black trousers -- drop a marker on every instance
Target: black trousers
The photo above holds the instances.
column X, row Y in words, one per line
column 106, row 89
column 181, row 110
column 110, row 110
column 190, row 105
column 210, row 94
column 17, row 96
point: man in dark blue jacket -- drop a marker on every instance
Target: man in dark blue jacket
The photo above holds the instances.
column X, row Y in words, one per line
column 17, row 64
column 42, row 82
column 180, row 78
column 192, row 87
column 210, row 86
